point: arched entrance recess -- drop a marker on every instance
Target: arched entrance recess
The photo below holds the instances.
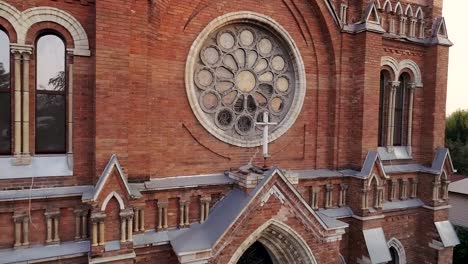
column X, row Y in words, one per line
column 283, row 244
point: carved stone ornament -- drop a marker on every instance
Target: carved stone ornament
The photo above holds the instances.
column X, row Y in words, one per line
column 239, row 71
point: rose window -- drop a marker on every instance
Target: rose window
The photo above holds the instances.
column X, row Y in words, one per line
column 241, row 71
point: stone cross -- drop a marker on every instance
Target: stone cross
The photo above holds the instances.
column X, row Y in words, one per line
column 265, row 125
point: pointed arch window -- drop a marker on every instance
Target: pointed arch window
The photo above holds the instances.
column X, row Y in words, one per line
column 50, row 95
column 383, row 106
column 400, row 135
column 5, row 94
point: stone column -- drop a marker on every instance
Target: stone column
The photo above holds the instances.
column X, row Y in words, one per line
column 315, row 196
column 343, row 193
column 181, row 213
column 364, row 197
column 202, row 212
column 84, row 224
column 402, row 26
column 25, row 231
column 18, row 220
column 187, row 214
column 414, row 189
column 142, row 219
column 394, row 190
column 123, row 229
column 17, row 96
column 56, row 228
column 392, row 25
column 166, row 225
column 391, row 114
column 78, row 231
column 435, row 190
column 329, row 196
column 137, row 220
column 25, row 147
column 160, row 217
column 378, row 197
column 412, row 32
column 207, row 207
column 410, row 118
column 102, row 231
column 404, row 189
column 445, row 190
column 94, row 233
column 129, row 228
column 49, row 229
column 421, row 29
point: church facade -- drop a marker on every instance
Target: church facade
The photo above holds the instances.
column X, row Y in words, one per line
column 253, row 131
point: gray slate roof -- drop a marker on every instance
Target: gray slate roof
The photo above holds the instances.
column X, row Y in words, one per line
column 377, row 245
column 44, row 252
column 44, row 193
column 204, row 236
column 447, row 233
column 406, row 204
column 187, row 181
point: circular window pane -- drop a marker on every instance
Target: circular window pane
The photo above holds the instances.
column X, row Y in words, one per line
column 240, row 71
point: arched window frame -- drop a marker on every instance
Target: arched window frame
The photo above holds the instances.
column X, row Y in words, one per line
column 384, row 97
column 397, row 69
column 47, row 92
column 9, row 93
column 400, row 134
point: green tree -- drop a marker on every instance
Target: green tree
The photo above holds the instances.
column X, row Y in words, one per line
column 456, row 139
column 460, row 253
column 4, row 78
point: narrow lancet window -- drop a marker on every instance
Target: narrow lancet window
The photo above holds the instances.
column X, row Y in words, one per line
column 383, row 107
column 50, row 95
column 401, row 111
column 5, row 95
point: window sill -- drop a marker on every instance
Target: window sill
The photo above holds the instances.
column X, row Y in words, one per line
column 395, row 153
column 36, row 166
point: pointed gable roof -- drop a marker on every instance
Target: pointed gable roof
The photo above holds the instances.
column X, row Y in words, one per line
column 441, row 158
column 370, row 21
column 203, row 237
column 112, row 166
column 439, row 33
column 372, row 160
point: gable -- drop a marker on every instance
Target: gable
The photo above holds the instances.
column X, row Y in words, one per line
column 274, row 196
column 112, row 183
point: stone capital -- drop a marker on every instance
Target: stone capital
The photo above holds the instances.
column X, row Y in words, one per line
column 394, row 85
column 21, row 49
column 98, row 217
column 162, row 204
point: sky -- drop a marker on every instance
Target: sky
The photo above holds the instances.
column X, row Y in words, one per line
column 457, row 95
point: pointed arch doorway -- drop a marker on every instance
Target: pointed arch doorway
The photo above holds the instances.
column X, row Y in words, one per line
column 273, row 243
column 256, row 254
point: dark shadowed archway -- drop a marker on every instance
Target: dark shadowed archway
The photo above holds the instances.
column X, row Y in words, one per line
column 275, row 242
column 256, row 254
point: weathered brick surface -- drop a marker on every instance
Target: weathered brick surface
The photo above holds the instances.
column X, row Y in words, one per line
column 130, row 99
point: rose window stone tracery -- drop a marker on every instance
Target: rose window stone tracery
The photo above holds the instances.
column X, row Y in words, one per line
column 240, row 71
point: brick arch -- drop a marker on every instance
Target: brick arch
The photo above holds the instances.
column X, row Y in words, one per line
column 413, row 69
column 276, row 236
column 8, row 28
column 399, row 248
column 11, row 15
column 109, row 197
column 39, row 28
column 397, row 68
column 23, row 21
